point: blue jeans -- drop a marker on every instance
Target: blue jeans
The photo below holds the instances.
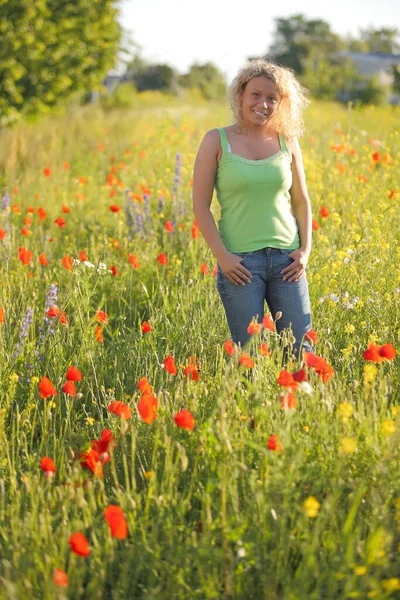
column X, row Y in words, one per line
column 243, row 303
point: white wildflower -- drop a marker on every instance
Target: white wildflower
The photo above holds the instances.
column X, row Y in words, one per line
column 306, row 387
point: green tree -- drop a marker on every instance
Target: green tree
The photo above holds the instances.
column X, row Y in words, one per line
column 51, row 50
column 297, row 41
column 207, row 78
column 331, row 78
column 386, row 40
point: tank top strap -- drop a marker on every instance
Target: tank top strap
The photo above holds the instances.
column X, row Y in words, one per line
column 284, row 146
column 224, row 141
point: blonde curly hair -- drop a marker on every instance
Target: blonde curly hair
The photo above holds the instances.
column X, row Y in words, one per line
column 288, row 119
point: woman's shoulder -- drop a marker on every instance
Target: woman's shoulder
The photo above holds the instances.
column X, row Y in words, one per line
column 293, row 146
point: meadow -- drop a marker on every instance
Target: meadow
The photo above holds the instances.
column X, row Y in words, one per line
column 143, row 456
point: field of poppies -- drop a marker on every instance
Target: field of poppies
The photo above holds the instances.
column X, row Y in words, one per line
column 142, row 454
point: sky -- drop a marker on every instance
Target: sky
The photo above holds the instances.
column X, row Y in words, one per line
column 228, row 32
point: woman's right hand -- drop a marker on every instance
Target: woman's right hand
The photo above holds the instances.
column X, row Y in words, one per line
column 232, row 268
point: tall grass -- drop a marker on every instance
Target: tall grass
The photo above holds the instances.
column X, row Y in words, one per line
column 212, row 512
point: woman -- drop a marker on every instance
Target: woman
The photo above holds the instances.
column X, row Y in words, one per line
column 264, row 237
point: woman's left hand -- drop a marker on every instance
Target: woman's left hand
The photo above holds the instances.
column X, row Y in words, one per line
column 294, row 271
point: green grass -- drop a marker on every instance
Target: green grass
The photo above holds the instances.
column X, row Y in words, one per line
column 211, row 513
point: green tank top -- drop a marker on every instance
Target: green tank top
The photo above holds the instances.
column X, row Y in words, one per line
column 255, row 201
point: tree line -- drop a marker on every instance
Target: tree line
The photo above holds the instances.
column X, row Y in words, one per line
column 55, row 51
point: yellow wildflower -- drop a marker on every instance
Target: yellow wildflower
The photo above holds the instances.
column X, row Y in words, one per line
column 311, row 507
column 149, row 474
column 348, row 445
column 395, row 410
column 369, row 372
column 345, row 410
column 89, row 420
column 14, row 377
column 388, row 427
column 349, row 328
column 360, row 570
column 391, row 585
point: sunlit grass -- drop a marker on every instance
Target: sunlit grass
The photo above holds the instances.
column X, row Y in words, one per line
column 212, row 512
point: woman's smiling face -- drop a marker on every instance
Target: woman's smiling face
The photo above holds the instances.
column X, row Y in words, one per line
column 260, row 100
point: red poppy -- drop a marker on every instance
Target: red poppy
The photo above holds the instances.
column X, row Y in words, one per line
column 101, row 316
column 90, row 460
column 2, row 234
column 67, row 262
column 79, row 544
column 378, row 354
column 60, row 578
column 144, row 386
column 43, row 260
column 60, row 222
column 169, row 226
column 376, row 157
column 310, row 358
column 195, row 232
column 16, row 209
column 48, row 467
column 69, row 388
column 115, row 518
column 387, row 351
column 147, row 407
column 146, row 327
column 25, row 231
column 169, row 364
column 288, row 401
column 246, row 361
column 268, row 323
column 300, row 375
column 102, row 445
column 312, row 335
column 1, row 315
column 83, row 256
column 24, row 255
column 324, row 212
column 215, row 270
column 191, row 372
column 134, row 261
column 115, row 208
column 54, row 311
column 63, row 319
column 274, row 443
column 286, row 380
column 30, row 210
column 229, row 347
column 46, row 388
column 98, row 332
column 46, row 172
column 42, row 214
column 73, row 374
column 65, row 209
column 115, row 271
column 204, row 269
column 264, row 350
column 120, row 409
column 324, row 370
column 315, row 225
column 184, row 419
column 162, row 259
column 254, row 328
